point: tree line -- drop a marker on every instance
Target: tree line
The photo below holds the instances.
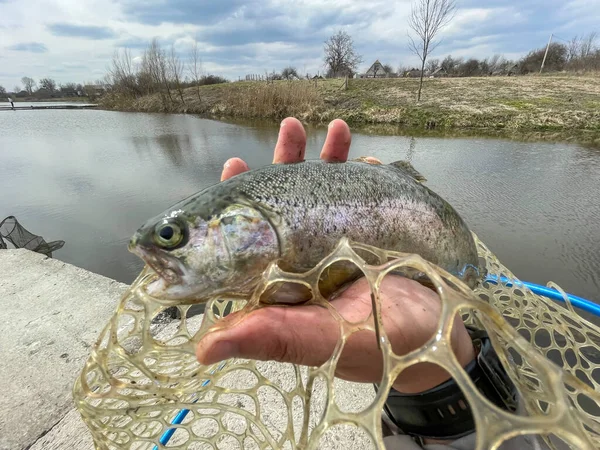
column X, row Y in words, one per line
column 164, row 72
column 46, row 87
column 159, row 71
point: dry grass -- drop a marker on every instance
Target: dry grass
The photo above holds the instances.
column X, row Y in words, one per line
column 272, row 101
column 552, row 105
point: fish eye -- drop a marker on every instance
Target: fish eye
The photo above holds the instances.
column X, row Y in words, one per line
column 168, row 235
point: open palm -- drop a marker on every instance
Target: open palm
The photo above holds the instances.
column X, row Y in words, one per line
column 307, row 335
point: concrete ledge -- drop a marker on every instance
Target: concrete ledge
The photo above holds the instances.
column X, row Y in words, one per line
column 51, row 313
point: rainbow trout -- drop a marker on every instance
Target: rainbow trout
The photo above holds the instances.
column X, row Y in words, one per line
column 223, row 238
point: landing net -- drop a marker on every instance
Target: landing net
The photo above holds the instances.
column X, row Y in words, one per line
column 142, row 374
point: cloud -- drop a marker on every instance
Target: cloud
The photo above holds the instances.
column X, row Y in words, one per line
column 133, row 42
column 155, row 12
column 82, row 31
column 237, row 37
column 33, row 47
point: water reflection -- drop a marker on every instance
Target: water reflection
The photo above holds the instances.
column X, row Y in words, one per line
column 93, row 177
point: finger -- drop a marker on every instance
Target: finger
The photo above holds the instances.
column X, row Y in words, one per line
column 259, row 336
column 291, row 143
column 233, row 167
column 337, row 142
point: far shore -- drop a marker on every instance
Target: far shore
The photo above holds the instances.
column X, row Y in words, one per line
column 553, row 107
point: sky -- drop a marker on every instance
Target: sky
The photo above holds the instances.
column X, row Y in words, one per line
column 74, row 40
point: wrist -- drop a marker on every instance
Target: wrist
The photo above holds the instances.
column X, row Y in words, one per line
column 424, row 376
column 442, row 413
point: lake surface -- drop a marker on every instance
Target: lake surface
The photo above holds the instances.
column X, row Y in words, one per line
column 93, row 177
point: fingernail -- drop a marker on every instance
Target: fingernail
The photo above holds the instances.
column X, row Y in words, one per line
column 221, row 351
column 226, row 165
column 331, row 123
column 282, row 124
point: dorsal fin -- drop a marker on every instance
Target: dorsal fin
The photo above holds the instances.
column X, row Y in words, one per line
column 368, row 160
column 408, row 168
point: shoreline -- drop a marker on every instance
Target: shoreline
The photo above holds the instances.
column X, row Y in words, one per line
column 529, row 108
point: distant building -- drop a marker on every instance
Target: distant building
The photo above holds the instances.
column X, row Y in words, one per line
column 22, row 94
column 514, row 70
column 377, row 70
column 437, row 73
column 413, row 73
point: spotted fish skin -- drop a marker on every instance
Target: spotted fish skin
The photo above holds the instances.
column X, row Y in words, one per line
column 311, row 205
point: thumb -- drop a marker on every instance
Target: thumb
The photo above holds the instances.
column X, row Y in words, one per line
column 304, row 335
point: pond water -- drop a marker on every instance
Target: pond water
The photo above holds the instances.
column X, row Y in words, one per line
column 92, row 177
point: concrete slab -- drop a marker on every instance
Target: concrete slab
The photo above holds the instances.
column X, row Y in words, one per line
column 51, row 313
column 68, row 434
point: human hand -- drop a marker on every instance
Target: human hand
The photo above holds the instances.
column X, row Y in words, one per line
column 307, row 335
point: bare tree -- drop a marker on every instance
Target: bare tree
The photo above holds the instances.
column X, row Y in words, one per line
column 28, row 84
column 588, row 45
column 163, row 69
column 68, row 86
column 340, row 56
column 495, row 63
column 195, row 67
column 573, row 49
column 289, row 73
column 17, row 89
column 175, row 68
column 2, row 90
column 122, row 73
column 155, row 62
column 48, row 83
column 427, row 18
column 432, row 66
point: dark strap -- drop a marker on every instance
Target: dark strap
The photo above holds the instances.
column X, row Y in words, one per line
column 443, row 412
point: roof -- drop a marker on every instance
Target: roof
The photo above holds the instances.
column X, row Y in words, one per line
column 376, row 66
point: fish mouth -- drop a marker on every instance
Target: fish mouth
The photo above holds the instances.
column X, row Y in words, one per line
column 167, row 269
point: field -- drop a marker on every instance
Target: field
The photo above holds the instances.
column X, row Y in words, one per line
column 556, row 107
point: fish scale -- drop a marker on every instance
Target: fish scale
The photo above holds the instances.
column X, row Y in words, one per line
column 298, row 213
column 375, row 204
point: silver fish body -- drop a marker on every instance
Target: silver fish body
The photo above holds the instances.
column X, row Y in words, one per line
column 222, row 238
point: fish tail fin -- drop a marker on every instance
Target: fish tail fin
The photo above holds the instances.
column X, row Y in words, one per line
column 408, row 168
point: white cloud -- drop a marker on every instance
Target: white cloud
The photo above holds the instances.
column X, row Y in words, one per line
column 254, row 36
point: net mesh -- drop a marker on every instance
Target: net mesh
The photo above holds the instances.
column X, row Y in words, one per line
column 142, row 375
column 19, row 237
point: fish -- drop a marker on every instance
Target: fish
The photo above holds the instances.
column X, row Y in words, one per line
column 221, row 239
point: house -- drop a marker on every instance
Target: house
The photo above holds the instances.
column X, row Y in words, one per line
column 514, row 70
column 413, row 73
column 376, row 71
column 22, row 94
column 439, row 72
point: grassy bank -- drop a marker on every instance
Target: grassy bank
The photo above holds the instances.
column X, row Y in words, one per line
column 549, row 107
